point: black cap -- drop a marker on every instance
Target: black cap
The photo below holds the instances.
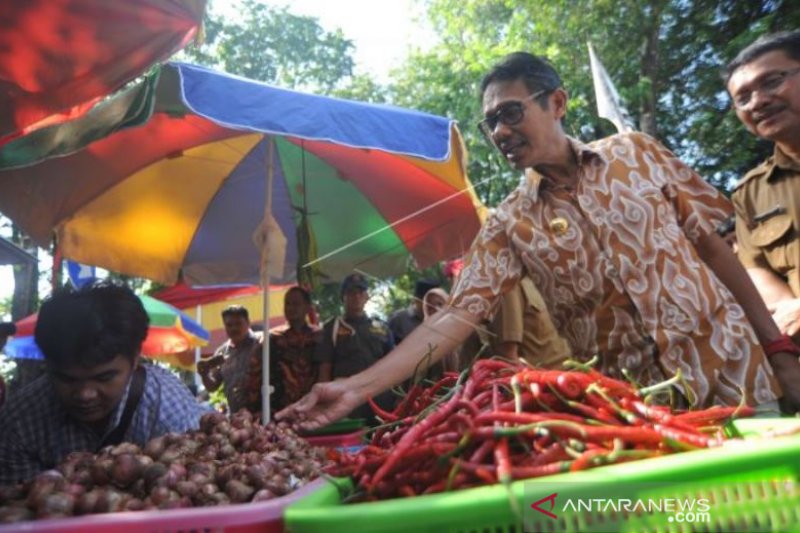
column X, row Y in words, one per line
column 421, row 287
column 354, row 281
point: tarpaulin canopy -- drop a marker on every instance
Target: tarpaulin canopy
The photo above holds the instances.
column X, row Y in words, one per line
column 11, row 254
column 59, row 57
column 205, row 304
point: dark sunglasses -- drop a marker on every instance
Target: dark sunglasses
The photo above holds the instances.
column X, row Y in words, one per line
column 509, row 114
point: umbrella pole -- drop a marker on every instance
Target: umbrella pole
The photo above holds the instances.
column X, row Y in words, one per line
column 266, row 388
column 198, row 316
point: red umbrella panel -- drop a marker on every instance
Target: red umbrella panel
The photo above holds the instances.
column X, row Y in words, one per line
column 60, row 57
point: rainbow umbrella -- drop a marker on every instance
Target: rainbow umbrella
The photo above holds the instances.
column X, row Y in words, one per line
column 217, row 179
column 171, row 332
column 185, row 175
column 59, row 57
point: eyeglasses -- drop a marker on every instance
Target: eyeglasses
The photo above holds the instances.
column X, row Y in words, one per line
column 768, row 85
column 509, row 114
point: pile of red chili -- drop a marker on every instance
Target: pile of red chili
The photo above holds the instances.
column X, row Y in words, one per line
column 502, row 421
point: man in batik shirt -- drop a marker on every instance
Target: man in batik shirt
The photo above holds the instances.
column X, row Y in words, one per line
column 618, row 236
column 236, row 364
column 292, row 350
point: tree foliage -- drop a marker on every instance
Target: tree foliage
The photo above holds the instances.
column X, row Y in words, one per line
column 664, row 56
column 271, row 44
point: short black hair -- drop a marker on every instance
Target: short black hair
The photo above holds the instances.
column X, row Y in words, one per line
column 236, row 310
column 422, row 286
column 535, row 71
column 298, row 289
column 91, row 326
column 7, row 329
column 785, row 41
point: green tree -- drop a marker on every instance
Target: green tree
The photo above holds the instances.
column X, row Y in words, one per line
column 664, row 56
column 271, row 44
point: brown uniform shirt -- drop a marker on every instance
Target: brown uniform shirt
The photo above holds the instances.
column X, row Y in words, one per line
column 522, row 318
column 767, row 203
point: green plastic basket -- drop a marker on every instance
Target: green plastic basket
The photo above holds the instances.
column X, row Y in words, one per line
column 753, row 487
column 345, row 425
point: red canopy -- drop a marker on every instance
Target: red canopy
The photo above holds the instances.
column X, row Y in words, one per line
column 59, row 57
column 182, row 296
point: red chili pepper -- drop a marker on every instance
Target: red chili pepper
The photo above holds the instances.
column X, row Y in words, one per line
column 696, row 440
column 482, row 451
column 486, row 473
column 525, row 418
column 406, row 491
column 554, row 452
column 503, row 461
column 386, row 416
column 585, row 460
column 413, row 434
column 526, row 472
column 714, row 414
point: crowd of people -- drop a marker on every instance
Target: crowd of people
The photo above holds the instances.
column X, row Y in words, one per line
column 614, row 251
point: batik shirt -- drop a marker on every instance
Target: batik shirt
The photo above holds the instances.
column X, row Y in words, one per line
column 36, row 434
column 614, row 261
column 241, row 372
column 295, row 371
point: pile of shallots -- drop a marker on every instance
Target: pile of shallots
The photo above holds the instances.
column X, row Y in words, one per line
column 226, row 461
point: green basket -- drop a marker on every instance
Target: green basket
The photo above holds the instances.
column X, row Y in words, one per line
column 345, row 425
column 753, row 488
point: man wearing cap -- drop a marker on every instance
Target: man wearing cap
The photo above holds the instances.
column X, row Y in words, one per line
column 404, row 321
column 353, row 341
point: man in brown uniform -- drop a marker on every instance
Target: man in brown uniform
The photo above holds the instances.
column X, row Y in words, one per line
column 524, row 329
column 764, row 83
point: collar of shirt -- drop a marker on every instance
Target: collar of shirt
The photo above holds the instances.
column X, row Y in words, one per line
column 783, row 161
column 533, row 183
column 251, row 337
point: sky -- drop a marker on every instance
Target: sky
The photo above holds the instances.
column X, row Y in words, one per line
column 382, row 32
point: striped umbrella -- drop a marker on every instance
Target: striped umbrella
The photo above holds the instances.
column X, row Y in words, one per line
column 171, row 332
column 186, row 174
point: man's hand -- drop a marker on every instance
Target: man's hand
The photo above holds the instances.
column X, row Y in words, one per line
column 786, row 367
column 786, row 314
column 323, row 405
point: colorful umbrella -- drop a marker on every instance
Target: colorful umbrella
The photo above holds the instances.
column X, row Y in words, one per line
column 59, row 57
column 171, row 332
column 190, row 174
column 171, row 177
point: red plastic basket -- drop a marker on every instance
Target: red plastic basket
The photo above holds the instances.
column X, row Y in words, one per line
column 345, row 440
column 260, row 517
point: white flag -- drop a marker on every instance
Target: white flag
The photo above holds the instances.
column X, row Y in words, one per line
column 608, row 101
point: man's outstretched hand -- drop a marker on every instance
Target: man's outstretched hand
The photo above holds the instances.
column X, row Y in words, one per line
column 324, row 404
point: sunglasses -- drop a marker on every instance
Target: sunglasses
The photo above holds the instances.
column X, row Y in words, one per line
column 509, row 114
